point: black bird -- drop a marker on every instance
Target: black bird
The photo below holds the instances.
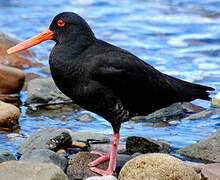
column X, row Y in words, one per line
column 106, row 79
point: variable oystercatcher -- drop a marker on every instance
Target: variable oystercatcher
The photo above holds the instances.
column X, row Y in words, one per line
column 106, row 79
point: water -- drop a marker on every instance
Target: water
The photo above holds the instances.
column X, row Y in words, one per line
column 180, row 38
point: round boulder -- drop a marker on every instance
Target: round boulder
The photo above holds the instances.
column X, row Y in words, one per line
column 9, row 114
column 154, row 166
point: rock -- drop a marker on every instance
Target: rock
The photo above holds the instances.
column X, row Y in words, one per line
column 199, row 115
column 109, row 177
column 207, row 149
column 44, row 91
column 157, row 166
column 19, row 60
column 45, row 156
column 79, row 144
column 211, row 171
column 12, row 80
column 173, row 111
column 28, row 77
column 195, row 165
column 85, row 118
column 216, row 101
column 106, row 148
column 123, row 158
column 21, row 170
column 192, row 108
column 6, row 156
column 50, row 138
column 85, row 136
column 145, row 145
column 9, row 114
column 78, row 166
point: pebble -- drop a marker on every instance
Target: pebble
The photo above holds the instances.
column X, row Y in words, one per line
column 199, row 115
column 216, row 101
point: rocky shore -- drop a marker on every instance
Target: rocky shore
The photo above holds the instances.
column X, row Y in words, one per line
column 62, row 154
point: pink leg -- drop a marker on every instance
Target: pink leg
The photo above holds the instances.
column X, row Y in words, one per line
column 111, row 156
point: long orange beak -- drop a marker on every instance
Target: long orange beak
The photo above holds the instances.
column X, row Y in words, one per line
column 46, row 35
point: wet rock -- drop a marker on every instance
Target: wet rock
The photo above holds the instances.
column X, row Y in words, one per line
column 106, row 148
column 20, row 59
column 45, row 156
column 30, row 170
column 145, row 145
column 173, row 111
column 202, row 114
column 123, row 158
column 192, row 108
column 9, row 114
column 78, row 166
column 216, row 101
column 211, row 171
column 44, row 91
column 207, row 149
column 109, row 177
column 6, row 156
column 28, row 78
column 85, row 136
column 85, row 118
column 50, row 138
column 157, row 166
column 12, row 80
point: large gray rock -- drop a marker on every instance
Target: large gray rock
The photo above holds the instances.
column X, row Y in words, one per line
column 199, row 115
column 44, row 91
column 6, row 156
column 45, row 156
column 207, row 149
column 211, row 171
column 173, row 111
column 145, row 145
column 21, row 170
column 50, row 138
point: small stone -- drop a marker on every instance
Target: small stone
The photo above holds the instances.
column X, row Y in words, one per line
column 78, row 166
column 61, row 151
column 50, row 138
column 216, row 101
column 211, row 171
column 145, row 145
column 22, row 170
column 78, row 144
column 6, row 156
column 199, row 115
column 155, row 166
column 12, row 80
column 45, row 156
column 9, row 114
column 85, row 118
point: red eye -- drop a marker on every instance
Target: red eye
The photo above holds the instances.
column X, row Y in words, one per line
column 60, row 23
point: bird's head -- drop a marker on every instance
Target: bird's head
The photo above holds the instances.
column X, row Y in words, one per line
column 66, row 27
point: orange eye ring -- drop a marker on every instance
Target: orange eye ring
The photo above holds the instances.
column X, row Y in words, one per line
column 60, row 23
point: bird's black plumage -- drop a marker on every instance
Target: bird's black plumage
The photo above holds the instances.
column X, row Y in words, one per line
column 108, row 80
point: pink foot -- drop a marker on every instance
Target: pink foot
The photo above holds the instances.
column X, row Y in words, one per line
column 111, row 156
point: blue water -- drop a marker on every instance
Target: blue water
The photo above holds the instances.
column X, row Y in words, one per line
column 180, row 38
